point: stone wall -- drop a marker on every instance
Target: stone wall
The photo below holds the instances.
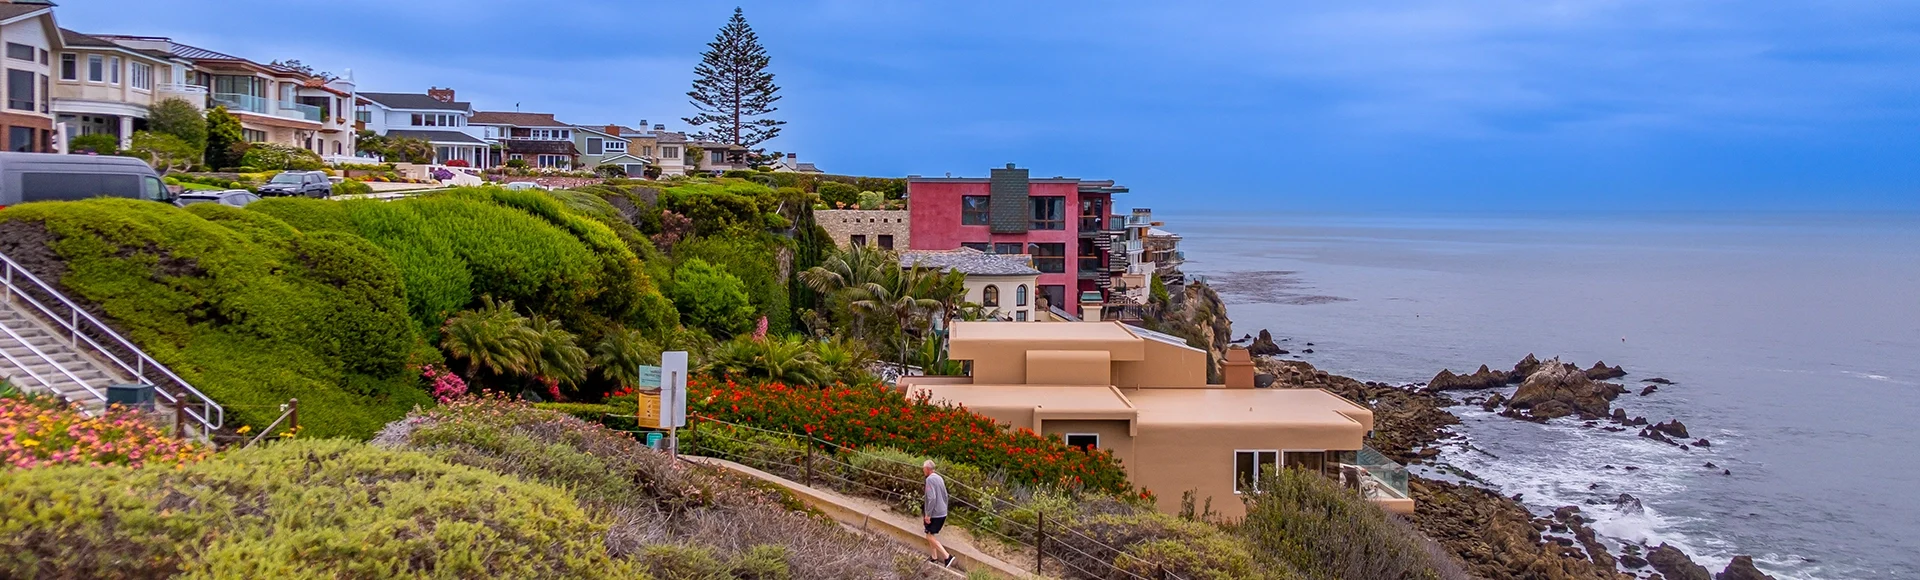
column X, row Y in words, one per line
column 843, row 224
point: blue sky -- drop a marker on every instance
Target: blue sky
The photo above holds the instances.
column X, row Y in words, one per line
column 1492, row 105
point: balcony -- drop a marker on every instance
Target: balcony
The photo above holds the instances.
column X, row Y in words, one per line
column 300, row 111
column 1379, row 480
column 241, row 102
column 1089, row 266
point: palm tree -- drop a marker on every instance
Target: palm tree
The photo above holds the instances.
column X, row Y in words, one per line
column 880, row 299
column 491, row 337
column 620, row 354
column 554, row 351
column 790, row 359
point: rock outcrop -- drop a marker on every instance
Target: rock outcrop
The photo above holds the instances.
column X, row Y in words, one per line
column 1741, row 568
column 1264, row 346
column 1485, row 378
column 1601, row 371
column 1675, row 565
column 1557, row 389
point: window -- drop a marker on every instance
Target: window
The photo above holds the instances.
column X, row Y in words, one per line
column 20, row 139
column 1020, row 316
column 1009, row 248
column 646, row 150
column 253, row 135
column 142, row 76
column 1083, row 441
column 1049, row 258
column 1055, row 296
column 596, row 146
column 886, row 242
column 974, row 210
column 417, row 121
column 1314, row 461
column 515, row 156
column 46, row 94
column 990, row 296
column 114, row 65
column 43, row 56
column 985, row 248
column 1248, row 467
column 96, row 68
column 717, row 156
column 20, row 90
column 616, row 146
column 1093, row 213
column 69, row 67
column 1049, row 213
column 1020, row 295
column 152, row 190
column 857, row 240
column 669, row 152
column 56, row 186
column 17, row 51
column 549, row 160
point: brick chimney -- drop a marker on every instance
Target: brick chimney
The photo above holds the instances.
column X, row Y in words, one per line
column 1238, row 368
column 440, row 94
column 613, row 130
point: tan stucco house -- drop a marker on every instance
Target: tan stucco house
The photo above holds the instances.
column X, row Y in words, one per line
column 1143, row 396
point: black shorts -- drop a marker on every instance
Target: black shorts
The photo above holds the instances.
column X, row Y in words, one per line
column 934, row 525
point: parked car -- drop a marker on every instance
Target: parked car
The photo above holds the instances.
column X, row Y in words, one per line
column 232, row 197
column 28, row 177
column 298, row 183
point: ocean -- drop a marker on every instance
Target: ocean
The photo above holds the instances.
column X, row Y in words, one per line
column 1793, row 341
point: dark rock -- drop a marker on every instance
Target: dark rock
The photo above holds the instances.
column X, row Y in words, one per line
column 1637, row 421
column 1657, row 381
column 1485, row 378
column 1308, row 351
column 1525, row 367
column 1493, row 402
column 1563, row 541
column 1619, row 415
column 1557, row 527
column 1627, row 503
column 1264, row 380
column 1558, row 390
column 1710, row 465
column 1741, row 568
column 1656, row 436
column 1632, row 562
column 1601, row 372
column 1309, row 344
column 1674, row 564
column 1606, row 467
column 1702, row 443
column 1649, row 390
column 1726, row 472
column 1564, row 512
column 1672, row 428
column 1632, row 468
column 1264, row 345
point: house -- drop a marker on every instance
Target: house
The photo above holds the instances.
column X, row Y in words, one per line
column 718, row 157
column 1143, row 396
column 673, row 151
column 536, row 138
column 274, row 104
column 791, row 164
column 641, row 146
column 887, row 228
column 1062, row 223
column 101, row 87
column 30, row 36
column 1002, row 285
column 435, row 117
column 603, row 145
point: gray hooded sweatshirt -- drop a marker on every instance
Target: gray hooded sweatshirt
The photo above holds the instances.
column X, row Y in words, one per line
column 936, row 506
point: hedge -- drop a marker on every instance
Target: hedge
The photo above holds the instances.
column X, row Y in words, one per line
column 308, row 509
column 247, row 309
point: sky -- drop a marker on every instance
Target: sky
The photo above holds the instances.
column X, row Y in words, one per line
column 1372, row 106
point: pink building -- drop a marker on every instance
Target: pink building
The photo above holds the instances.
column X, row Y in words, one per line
column 1064, row 224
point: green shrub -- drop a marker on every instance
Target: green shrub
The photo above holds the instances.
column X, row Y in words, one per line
column 710, row 298
column 755, row 260
column 274, row 156
column 763, row 562
column 839, row 195
column 245, row 308
column 101, row 143
column 872, row 200
column 297, row 508
column 1326, row 531
column 179, row 118
column 352, row 187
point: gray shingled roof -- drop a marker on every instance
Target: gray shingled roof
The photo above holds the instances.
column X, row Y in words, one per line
column 437, row 136
column 71, row 38
column 968, row 261
column 8, row 11
column 414, row 101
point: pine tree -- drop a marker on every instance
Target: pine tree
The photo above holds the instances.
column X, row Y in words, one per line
column 733, row 87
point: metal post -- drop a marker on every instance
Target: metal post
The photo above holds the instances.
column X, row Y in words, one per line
column 1040, row 542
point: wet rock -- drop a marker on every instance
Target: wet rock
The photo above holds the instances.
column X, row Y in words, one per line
column 1702, row 443
column 1710, row 465
column 1566, row 542
column 1485, row 378
column 1558, row 390
column 1726, row 472
column 1627, row 503
column 1564, row 512
column 1493, row 402
column 1649, row 390
column 1619, row 415
column 1632, row 562
column 1741, row 568
column 1657, row 381
column 1601, row 371
column 1637, row 421
column 1672, row 428
column 1525, row 367
column 1632, row 468
column 1308, row 351
column 1264, row 345
column 1674, row 564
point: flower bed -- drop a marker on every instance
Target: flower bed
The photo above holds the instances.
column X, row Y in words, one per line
column 43, row 432
column 870, row 415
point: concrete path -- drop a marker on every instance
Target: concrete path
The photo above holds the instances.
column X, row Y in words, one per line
column 873, row 517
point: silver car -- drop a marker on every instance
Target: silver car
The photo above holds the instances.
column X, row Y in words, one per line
column 230, row 197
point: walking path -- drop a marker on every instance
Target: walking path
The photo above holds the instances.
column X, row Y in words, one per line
column 873, row 517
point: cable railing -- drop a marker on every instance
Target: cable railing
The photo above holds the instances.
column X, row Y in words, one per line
column 81, row 326
column 835, row 469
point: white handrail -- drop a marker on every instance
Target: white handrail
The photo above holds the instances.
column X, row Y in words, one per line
column 49, row 360
column 211, row 415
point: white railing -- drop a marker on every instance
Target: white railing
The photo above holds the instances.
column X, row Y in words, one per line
column 83, row 327
column 44, row 357
column 182, row 88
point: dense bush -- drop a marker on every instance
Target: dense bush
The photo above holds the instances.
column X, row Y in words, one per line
column 266, row 156
column 838, row 195
column 247, row 309
column 225, row 141
column 297, row 509
column 1326, row 531
column 179, row 118
column 676, row 521
column 871, row 415
column 352, row 187
column 41, row 431
column 754, row 259
column 791, row 359
column 101, row 143
column 710, row 298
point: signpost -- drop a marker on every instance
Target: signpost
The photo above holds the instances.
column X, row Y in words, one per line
column 673, row 396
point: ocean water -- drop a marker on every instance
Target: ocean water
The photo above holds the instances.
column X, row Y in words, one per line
column 1794, row 341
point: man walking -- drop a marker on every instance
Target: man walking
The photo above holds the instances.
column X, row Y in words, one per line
column 934, row 514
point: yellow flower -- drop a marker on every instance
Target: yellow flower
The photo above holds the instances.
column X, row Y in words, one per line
column 243, row 429
column 28, row 443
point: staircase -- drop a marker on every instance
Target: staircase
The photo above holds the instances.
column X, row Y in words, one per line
column 49, row 345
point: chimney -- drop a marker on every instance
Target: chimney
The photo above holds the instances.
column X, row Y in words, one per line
column 613, row 130
column 793, row 156
column 1238, row 368
column 643, row 124
column 659, row 127
column 440, row 94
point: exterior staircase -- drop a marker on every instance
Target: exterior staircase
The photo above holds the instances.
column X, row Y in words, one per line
column 50, row 345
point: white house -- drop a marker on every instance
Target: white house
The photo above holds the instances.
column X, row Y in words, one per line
column 434, row 117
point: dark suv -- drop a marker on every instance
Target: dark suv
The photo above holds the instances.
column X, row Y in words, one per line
column 298, row 183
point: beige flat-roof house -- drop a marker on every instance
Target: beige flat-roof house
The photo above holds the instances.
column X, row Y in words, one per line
column 1003, row 285
column 1143, row 396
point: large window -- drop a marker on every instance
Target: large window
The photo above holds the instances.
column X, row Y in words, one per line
column 1093, row 214
column 20, row 90
column 253, row 135
column 1049, row 258
column 1250, row 466
column 96, row 68
column 596, row 146
column 990, row 296
column 17, row 51
column 616, row 146
column 113, row 76
column 1049, row 213
column 21, row 139
column 717, row 156
column 974, row 210
column 669, row 152
column 1055, row 295
column 1020, row 295
column 1010, row 248
column 549, row 134
column 69, row 66
column 1314, row 461
column 547, row 160
column 142, row 76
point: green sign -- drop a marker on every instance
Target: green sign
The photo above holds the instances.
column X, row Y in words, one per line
column 649, row 376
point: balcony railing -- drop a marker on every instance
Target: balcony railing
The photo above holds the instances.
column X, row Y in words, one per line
column 1089, row 264
column 1379, row 477
column 184, row 89
column 241, row 102
column 300, row 111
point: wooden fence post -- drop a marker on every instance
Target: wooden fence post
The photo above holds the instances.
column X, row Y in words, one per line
column 809, row 461
column 1040, row 542
column 293, row 416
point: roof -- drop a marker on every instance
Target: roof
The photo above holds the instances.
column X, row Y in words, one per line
column 515, row 119
column 1218, row 405
column 415, row 101
column 71, row 38
column 1160, row 233
column 532, row 147
column 11, row 11
column 671, row 137
column 1088, row 402
column 437, row 136
column 806, row 168
column 1062, row 331
column 968, row 261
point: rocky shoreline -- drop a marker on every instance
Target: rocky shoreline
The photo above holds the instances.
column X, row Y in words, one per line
column 1497, row 537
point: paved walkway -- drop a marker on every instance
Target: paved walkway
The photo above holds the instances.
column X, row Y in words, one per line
column 873, row 517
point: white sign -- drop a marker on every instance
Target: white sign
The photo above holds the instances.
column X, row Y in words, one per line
column 673, row 388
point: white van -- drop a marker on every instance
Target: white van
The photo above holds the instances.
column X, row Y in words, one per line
column 26, row 177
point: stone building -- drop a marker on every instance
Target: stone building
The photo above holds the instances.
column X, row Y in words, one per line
column 882, row 228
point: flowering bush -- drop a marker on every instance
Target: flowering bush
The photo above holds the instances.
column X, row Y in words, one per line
column 868, row 415
column 442, row 174
column 458, row 163
column 39, row 433
column 444, row 385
